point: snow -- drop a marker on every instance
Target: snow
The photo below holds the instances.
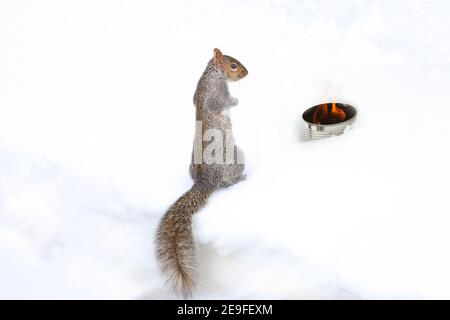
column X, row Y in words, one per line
column 96, row 128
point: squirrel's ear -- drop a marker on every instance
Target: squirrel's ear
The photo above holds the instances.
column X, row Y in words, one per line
column 218, row 58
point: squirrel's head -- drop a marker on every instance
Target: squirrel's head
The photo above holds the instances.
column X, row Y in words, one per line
column 231, row 68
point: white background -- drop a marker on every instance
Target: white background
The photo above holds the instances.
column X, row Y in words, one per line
column 96, row 128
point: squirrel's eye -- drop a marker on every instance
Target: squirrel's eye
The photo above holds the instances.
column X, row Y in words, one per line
column 233, row 66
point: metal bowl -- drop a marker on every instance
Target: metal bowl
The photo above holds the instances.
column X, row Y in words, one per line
column 315, row 131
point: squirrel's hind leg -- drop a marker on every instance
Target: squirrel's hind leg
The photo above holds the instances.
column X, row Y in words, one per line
column 228, row 182
column 234, row 174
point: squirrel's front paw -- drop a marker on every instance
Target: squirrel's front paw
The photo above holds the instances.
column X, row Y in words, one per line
column 234, row 102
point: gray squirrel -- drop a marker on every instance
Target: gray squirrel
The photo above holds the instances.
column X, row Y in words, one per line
column 175, row 246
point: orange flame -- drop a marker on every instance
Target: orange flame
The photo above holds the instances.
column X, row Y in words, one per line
column 323, row 116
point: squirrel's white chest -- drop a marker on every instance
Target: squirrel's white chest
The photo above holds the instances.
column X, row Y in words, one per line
column 224, row 119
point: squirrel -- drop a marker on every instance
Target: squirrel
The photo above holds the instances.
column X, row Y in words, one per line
column 175, row 246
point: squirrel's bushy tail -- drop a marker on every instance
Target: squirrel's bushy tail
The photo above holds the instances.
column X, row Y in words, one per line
column 175, row 247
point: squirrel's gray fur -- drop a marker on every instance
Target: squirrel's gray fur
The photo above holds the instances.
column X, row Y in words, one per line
column 175, row 246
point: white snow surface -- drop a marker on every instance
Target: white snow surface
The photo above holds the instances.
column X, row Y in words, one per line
column 96, row 129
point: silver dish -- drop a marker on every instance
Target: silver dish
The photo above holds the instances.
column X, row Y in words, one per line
column 315, row 131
